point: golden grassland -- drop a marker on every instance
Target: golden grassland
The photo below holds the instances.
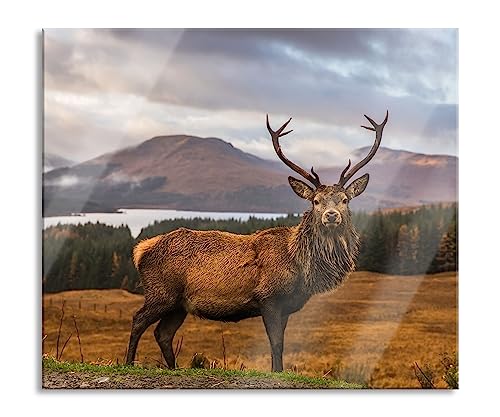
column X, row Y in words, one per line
column 370, row 330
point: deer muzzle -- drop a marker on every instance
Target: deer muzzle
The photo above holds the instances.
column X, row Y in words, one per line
column 331, row 218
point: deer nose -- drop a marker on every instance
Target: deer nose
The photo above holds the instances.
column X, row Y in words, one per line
column 332, row 215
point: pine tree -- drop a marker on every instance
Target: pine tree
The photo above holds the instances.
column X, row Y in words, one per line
column 446, row 258
column 73, row 271
column 374, row 253
column 407, row 249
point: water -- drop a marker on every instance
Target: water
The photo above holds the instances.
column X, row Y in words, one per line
column 136, row 219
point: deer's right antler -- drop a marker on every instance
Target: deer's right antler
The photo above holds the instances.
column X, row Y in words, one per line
column 313, row 178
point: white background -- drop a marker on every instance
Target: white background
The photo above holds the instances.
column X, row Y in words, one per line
column 21, row 124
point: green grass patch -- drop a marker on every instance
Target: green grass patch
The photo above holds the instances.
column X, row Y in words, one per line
column 51, row 364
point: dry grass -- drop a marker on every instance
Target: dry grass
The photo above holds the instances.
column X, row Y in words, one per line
column 371, row 330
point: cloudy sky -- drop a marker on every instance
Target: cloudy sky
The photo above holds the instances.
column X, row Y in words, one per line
column 107, row 89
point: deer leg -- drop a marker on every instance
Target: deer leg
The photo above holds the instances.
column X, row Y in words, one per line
column 275, row 324
column 165, row 331
column 284, row 322
column 143, row 318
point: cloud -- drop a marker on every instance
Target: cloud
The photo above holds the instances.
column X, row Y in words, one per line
column 64, row 181
column 127, row 85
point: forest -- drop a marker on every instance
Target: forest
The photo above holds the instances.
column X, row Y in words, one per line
column 97, row 256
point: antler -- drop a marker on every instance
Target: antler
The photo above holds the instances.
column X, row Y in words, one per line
column 314, row 178
column 378, row 129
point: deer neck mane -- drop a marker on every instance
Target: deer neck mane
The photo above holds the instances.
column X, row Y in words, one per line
column 322, row 256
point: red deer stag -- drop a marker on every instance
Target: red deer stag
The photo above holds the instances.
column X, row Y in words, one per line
column 272, row 273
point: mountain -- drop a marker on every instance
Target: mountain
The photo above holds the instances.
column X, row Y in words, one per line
column 188, row 164
column 179, row 172
column 402, row 178
column 192, row 173
column 52, row 161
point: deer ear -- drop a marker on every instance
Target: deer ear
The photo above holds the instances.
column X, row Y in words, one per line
column 357, row 186
column 301, row 188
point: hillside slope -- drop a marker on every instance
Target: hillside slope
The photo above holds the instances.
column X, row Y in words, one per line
column 401, row 178
column 52, row 161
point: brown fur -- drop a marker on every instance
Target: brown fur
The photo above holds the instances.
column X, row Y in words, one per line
column 229, row 277
column 220, row 274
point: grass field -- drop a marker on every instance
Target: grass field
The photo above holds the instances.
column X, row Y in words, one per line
column 369, row 331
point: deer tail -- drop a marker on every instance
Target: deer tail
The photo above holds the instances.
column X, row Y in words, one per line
column 141, row 248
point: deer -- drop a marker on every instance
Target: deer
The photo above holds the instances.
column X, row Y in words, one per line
column 271, row 273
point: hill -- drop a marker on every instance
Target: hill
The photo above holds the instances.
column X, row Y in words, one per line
column 401, row 178
column 52, row 161
column 209, row 174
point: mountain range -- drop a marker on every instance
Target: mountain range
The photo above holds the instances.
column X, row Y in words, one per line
column 209, row 174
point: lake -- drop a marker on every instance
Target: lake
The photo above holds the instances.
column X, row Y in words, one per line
column 136, row 219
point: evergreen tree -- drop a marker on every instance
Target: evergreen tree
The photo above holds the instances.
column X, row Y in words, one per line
column 447, row 254
column 407, row 249
column 373, row 251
